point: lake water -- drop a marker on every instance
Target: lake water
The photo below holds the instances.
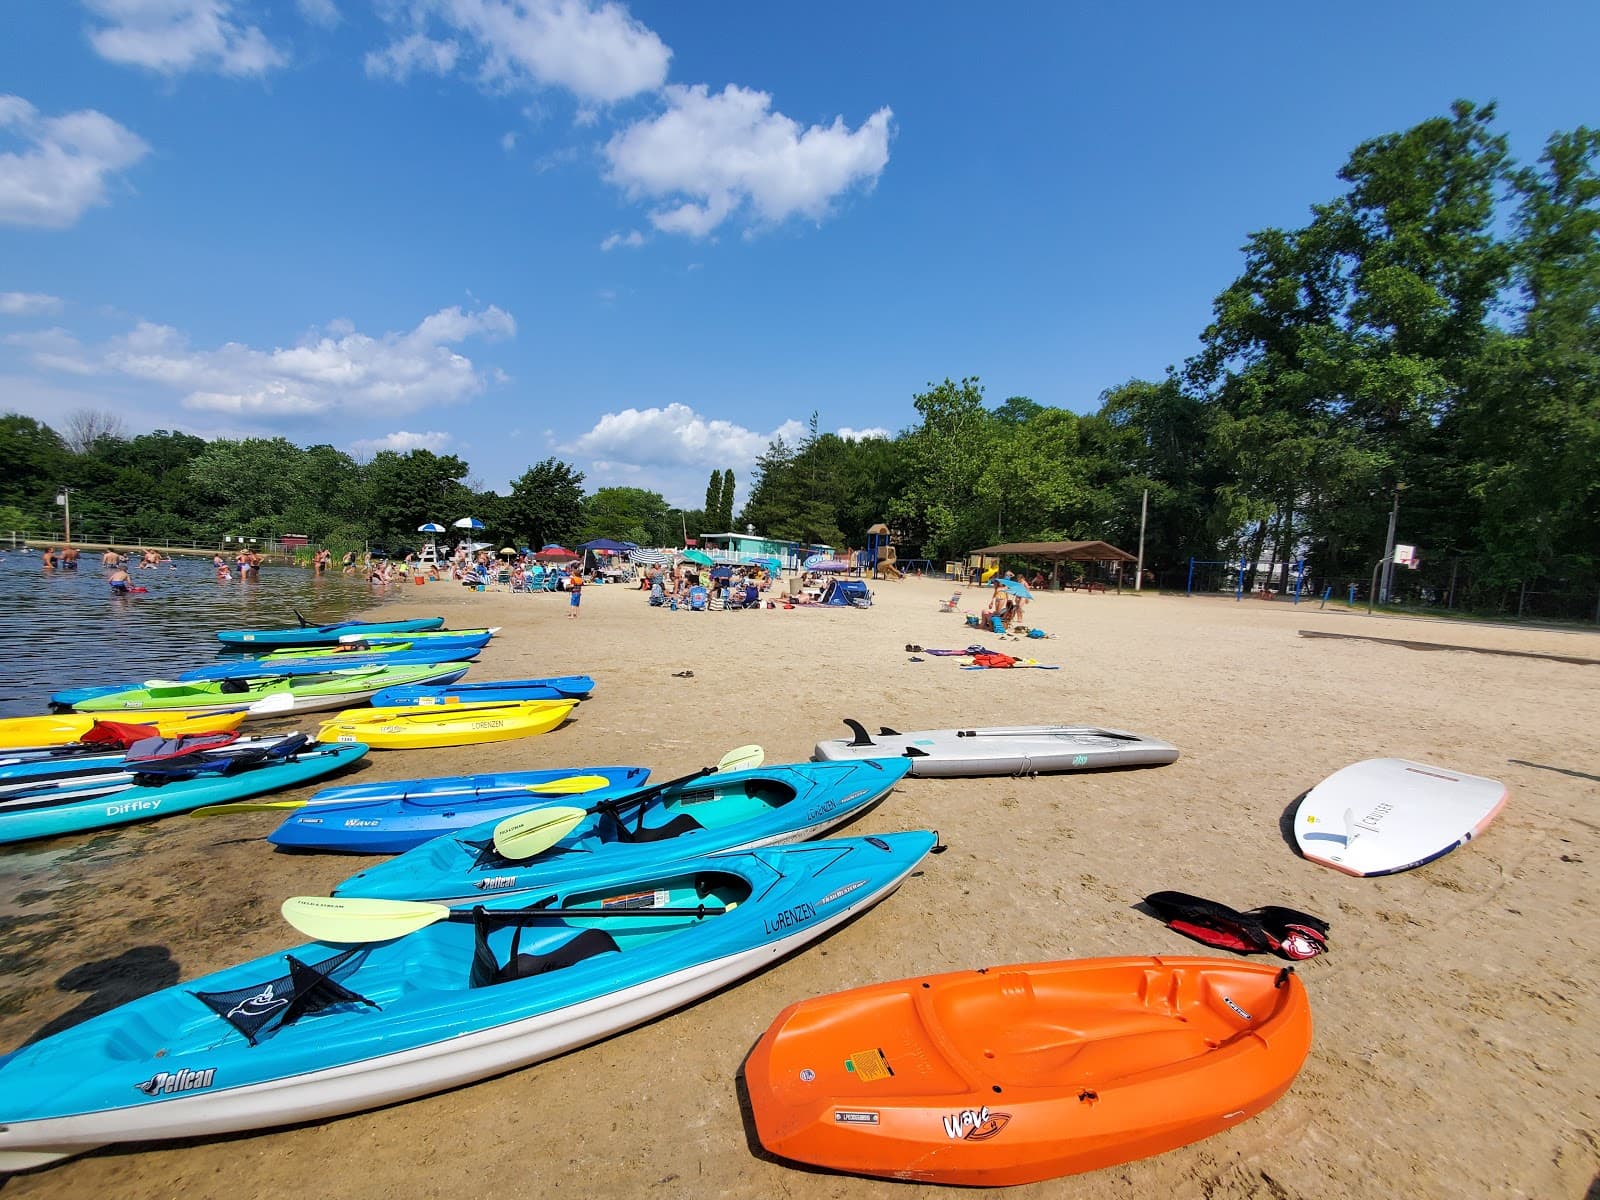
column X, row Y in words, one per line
column 62, row 629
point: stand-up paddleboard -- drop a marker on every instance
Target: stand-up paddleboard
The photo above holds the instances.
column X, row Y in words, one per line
column 1023, row 750
column 1388, row 814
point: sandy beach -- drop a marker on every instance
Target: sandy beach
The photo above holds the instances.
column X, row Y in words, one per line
column 1457, row 1042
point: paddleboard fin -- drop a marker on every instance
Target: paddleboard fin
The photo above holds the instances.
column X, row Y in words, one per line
column 861, row 738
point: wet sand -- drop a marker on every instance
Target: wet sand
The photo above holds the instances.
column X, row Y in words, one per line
column 1457, row 1043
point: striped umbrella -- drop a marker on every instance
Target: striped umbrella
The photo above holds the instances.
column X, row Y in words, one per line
column 650, row 558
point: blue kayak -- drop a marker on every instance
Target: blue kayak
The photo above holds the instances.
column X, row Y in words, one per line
column 391, row 818
column 554, row 687
column 640, row 831
column 277, row 668
column 96, row 804
column 323, row 635
column 109, row 760
column 461, row 994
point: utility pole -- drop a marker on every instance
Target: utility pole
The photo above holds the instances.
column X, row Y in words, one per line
column 64, row 498
column 1138, row 571
column 1388, row 547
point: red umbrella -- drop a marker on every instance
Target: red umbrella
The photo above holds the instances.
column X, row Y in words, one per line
column 555, row 554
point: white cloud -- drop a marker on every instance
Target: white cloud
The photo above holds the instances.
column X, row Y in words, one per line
column 675, row 436
column 173, row 36
column 630, row 239
column 28, row 304
column 334, row 369
column 597, row 51
column 414, row 53
column 508, row 140
column 402, row 440
column 319, row 12
column 709, row 156
column 65, row 165
column 861, row 435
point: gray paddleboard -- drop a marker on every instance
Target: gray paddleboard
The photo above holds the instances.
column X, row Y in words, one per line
column 1019, row 750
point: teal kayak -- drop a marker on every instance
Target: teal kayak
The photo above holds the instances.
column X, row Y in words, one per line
column 333, row 689
column 451, row 996
column 97, row 802
column 323, row 635
column 390, row 817
column 639, row 831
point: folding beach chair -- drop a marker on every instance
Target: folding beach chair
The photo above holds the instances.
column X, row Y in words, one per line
column 950, row 605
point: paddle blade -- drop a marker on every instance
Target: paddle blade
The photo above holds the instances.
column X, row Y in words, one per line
column 326, row 919
column 535, row 831
column 246, row 806
column 742, row 758
column 278, row 702
column 572, row 785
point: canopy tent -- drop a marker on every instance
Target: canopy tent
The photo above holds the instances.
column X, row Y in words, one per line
column 607, row 544
column 1058, row 552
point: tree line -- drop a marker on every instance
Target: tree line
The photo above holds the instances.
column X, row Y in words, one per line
column 1428, row 339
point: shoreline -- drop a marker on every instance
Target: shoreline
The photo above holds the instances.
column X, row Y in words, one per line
column 1455, row 1045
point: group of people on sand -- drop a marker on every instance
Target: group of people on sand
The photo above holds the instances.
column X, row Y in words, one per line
column 672, row 587
column 1005, row 604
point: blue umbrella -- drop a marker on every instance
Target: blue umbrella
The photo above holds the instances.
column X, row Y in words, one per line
column 1015, row 587
column 468, row 523
column 431, row 527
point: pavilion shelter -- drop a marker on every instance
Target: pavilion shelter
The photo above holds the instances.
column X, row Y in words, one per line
column 1057, row 553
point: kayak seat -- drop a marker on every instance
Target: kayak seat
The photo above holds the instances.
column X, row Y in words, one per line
column 548, row 950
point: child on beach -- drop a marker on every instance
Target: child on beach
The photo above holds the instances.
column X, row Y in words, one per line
column 575, row 588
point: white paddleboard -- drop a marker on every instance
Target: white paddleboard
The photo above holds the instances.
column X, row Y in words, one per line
column 1389, row 814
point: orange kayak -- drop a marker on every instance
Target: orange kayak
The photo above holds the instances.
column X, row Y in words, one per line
column 1016, row 1074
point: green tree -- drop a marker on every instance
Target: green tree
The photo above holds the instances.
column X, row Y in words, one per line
column 941, row 508
column 545, row 504
column 713, row 504
column 724, row 510
column 402, row 491
column 627, row 514
column 33, row 462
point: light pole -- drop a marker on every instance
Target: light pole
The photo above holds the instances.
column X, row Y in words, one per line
column 64, row 498
column 1388, row 547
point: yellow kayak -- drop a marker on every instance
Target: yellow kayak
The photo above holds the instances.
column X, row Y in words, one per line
column 414, row 728
column 23, row 733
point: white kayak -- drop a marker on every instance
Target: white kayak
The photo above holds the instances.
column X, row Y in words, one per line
column 1020, row 750
column 1389, row 814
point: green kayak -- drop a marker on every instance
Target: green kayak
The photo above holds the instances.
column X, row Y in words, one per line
column 275, row 696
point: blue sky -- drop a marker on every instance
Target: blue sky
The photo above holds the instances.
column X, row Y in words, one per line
column 646, row 238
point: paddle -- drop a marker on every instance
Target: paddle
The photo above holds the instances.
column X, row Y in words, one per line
column 358, row 919
column 571, row 785
column 533, row 832
column 425, row 712
column 280, row 702
column 303, row 622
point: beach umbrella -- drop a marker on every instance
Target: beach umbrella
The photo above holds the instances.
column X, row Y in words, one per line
column 1016, row 588
column 827, row 564
column 811, row 560
column 468, row 523
column 697, row 556
column 430, row 527
column 649, row 558
column 509, row 551
column 555, row 554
